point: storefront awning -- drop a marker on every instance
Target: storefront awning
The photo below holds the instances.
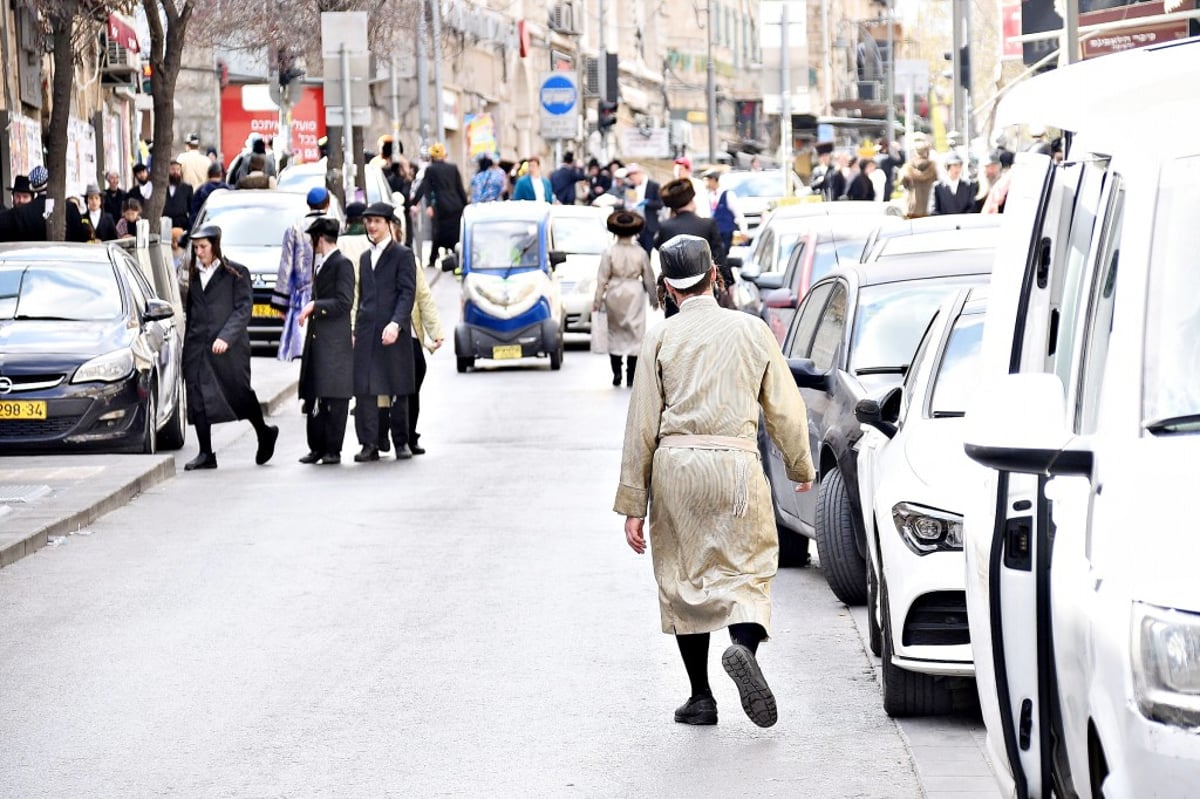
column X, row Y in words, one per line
column 122, row 31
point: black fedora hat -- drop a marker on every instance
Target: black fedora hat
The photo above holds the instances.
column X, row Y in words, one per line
column 324, row 226
column 677, row 193
column 21, row 185
column 625, row 223
column 386, row 210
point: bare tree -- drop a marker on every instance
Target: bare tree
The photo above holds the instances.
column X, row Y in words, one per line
column 168, row 20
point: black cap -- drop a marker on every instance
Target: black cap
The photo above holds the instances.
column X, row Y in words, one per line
column 21, row 185
column 325, row 227
column 685, row 261
column 380, row 209
column 355, row 210
column 206, row 232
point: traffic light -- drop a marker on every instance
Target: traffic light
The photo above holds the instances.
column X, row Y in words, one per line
column 964, row 67
column 147, row 73
column 607, row 114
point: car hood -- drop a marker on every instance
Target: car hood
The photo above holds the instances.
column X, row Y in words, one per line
column 58, row 345
column 934, row 451
column 578, row 266
column 1142, row 528
column 259, row 260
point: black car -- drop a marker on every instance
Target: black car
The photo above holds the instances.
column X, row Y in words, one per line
column 855, row 334
column 90, row 355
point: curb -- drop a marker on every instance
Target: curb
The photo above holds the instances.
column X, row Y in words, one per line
column 159, row 472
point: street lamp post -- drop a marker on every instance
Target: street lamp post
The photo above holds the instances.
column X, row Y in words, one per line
column 711, row 89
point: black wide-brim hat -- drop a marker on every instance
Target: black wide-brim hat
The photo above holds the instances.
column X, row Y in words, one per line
column 625, row 223
column 677, row 193
column 824, row 147
column 325, row 226
column 21, row 185
column 385, row 210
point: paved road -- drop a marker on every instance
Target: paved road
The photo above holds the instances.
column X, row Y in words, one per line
column 467, row 622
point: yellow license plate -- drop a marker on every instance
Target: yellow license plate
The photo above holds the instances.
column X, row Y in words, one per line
column 264, row 310
column 22, row 409
column 506, row 352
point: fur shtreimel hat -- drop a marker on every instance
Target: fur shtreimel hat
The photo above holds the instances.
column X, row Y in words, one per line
column 677, row 193
column 625, row 223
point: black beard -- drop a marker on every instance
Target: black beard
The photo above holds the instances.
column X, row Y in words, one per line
column 175, row 179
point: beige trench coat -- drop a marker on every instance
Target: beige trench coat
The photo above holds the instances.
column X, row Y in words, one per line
column 624, row 281
column 708, row 371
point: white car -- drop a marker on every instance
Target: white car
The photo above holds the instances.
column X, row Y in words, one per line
column 912, row 474
column 1081, row 555
column 581, row 232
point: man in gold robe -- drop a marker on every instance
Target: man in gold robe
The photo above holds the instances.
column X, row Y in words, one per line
column 691, row 456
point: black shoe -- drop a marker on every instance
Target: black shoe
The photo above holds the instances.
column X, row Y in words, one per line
column 402, row 452
column 266, row 445
column 699, row 710
column 367, row 454
column 205, row 460
column 616, row 378
column 385, row 445
column 311, row 457
column 414, row 449
column 757, row 699
column 330, row 460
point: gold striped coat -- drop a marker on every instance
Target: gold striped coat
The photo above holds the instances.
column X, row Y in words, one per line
column 706, row 372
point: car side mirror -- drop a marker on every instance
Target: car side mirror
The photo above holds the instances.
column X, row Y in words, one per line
column 733, row 262
column 768, row 282
column 557, row 257
column 1017, row 423
column 881, row 413
column 779, row 298
column 750, row 271
column 157, row 310
column 450, row 263
column 806, row 374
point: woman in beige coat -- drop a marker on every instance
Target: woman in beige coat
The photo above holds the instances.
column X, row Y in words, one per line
column 622, row 286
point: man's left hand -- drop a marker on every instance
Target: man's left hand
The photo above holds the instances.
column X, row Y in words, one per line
column 634, row 535
column 803, row 487
column 437, row 344
column 390, row 334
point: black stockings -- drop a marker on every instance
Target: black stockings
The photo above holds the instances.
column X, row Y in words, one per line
column 694, row 650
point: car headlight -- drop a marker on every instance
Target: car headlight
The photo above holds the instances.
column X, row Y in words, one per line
column 585, row 287
column 107, row 368
column 926, row 530
column 1166, row 664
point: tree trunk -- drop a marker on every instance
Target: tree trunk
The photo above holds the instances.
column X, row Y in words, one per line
column 61, row 95
column 166, row 56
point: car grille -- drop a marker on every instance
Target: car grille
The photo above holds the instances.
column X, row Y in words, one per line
column 39, row 382
column 937, row 619
column 20, row 429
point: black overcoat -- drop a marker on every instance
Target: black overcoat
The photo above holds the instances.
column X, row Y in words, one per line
column 442, row 187
column 688, row 223
column 385, row 294
column 327, row 366
column 218, row 386
column 948, row 202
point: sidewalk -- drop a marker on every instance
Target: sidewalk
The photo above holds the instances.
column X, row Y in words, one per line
column 45, row 498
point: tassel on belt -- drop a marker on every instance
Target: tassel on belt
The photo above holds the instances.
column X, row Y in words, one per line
column 741, row 492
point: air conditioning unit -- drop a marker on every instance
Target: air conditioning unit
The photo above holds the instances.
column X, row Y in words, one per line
column 562, row 18
column 119, row 61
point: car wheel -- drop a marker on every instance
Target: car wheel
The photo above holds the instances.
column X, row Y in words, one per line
column 465, row 363
column 844, row 566
column 909, row 693
column 556, row 356
column 149, row 428
column 174, row 435
column 874, row 633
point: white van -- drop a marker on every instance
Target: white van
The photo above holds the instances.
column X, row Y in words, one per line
column 1083, row 557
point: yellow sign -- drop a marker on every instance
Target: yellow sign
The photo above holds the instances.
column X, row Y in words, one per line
column 22, row 409
column 263, row 310
column 506, row 352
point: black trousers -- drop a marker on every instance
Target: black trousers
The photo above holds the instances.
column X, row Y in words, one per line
column 414, row 401
column 366, row 420
column 326, row 425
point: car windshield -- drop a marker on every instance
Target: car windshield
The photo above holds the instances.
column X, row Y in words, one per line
column 759, row 184
column 299, row 179
column 1171, row 403
column 250, row 226
column 892, row 317
column 957, row 374
column 59, row 290
column 831, row 253
column 580, row 235
column 504, row 245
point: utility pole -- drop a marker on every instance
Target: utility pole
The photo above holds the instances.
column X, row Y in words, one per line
column 436, row 7
column 785, row 101
column 711, row 112
column 889, row 135
column 348, row 181
column 956, row 43
column 602, row 79
column 422, row 82
column 1068, row 48
column 827, row 57
column 395, row 88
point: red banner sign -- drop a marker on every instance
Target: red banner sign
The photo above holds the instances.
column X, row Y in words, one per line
column 122, row 32
column 1115, row 41
column 1010, row 27
column 247, row 109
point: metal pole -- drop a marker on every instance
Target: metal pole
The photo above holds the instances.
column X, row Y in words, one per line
column 828, row 57
column 347, row 128
column 436, row 7
column 395, row 87
column 602, row 79
column 1068, row 51
column 711, row 89
column 891, row 75
column 785, row 102
column 422, row 82
column 956, row 43
column 966, row 106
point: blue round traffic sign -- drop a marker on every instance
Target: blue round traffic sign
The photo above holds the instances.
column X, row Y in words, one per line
column 558, row 95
